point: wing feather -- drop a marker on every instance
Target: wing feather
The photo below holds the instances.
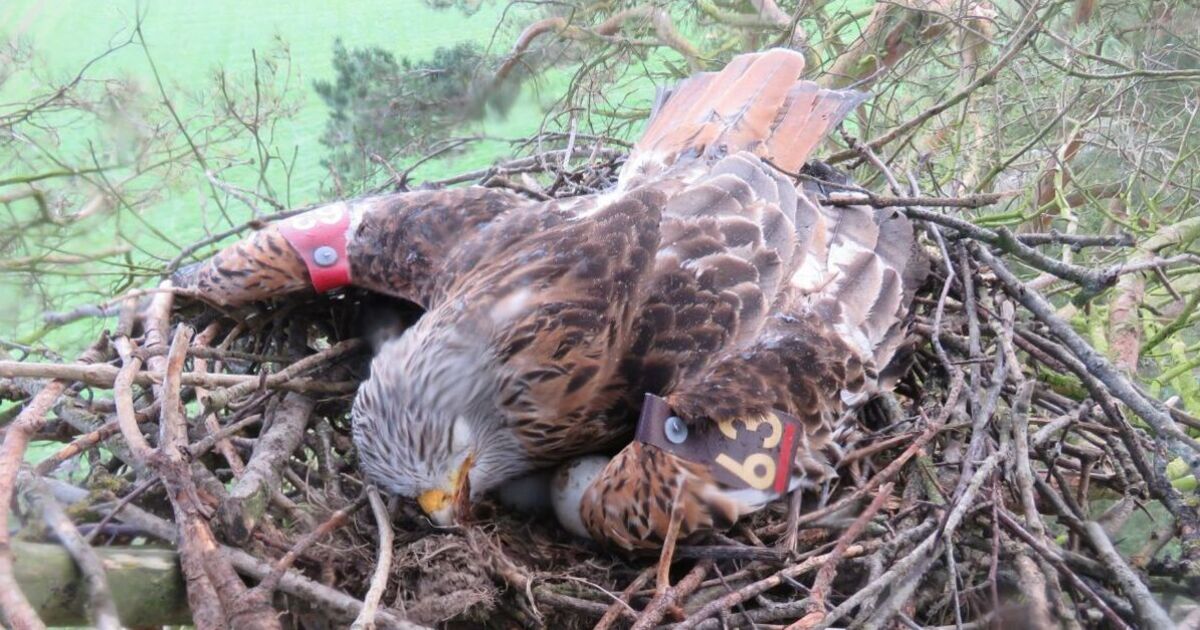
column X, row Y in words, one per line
column 568, row 296
column 410, row 245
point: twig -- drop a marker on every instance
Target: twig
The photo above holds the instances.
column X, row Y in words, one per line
column 123, row 397
column 200, row 364
column 731, row 552
column 1029, row 26
column 621, row 605
column 910, row 563
column 383, row 566
column 730, row 600
column 1148, row 610
column 216, row 594
column 1094, row 363
column 102, row 610
column 896, row 465
column 203, row 445
column 978, row 200
column 1090, row 360
column 246, row 503
column 77, row 446
column 1033, row 577
column 658, row 607
column 335, row 520
column 298, row 585
column 1124, row 239
column 120, row 503
column 106, row 375
column 825, row 576
column 662, row 578
column 1041, row 549
column 337, row 603
column 16, row 608
column 532, row 164
column 222, row 397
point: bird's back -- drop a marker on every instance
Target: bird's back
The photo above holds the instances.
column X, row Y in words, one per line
column 759, row 298
column 740, row 242
column 640, row 286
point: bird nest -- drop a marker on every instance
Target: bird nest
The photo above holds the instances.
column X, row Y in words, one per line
column 988, row 489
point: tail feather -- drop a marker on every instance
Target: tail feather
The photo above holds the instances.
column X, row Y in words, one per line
column 809, row 114
column 748, row 107
column 756, row 103
column 673, row 104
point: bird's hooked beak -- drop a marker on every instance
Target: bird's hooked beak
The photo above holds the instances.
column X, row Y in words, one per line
column 445, row 507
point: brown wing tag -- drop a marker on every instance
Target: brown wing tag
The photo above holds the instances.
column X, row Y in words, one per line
column 744, row 453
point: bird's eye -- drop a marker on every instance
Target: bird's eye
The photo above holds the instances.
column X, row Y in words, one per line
column 460, row 435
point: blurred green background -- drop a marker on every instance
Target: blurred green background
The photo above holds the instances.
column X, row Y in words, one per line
column 190, row 44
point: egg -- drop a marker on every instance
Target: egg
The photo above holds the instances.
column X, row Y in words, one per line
column 570, row 481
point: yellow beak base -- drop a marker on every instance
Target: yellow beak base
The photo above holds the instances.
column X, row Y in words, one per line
column 433, row 501
column 443, row 507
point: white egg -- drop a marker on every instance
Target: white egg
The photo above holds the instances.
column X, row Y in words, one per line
column 566, row 491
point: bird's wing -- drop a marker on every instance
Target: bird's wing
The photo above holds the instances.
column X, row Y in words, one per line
column 408, row 245
column 557, row 305
column 727, row 239
column 837, row 322
column 840, row 317
column 640, row 285
column 730, row 230
column 732, row 326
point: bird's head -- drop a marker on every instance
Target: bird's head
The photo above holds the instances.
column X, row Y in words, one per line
column 427, row 427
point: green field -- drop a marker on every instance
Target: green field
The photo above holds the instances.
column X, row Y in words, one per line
column 190, row 43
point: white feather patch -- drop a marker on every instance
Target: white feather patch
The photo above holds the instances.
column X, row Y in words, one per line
column 512, row 306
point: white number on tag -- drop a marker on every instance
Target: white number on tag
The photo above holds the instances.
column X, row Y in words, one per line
column 758, row 471
column 331, row 215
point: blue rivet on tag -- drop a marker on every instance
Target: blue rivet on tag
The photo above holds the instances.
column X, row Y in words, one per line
column 325, row 256
column 676, row 430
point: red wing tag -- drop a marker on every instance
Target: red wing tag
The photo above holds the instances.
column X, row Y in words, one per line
column 744, row 453
column 319, row 237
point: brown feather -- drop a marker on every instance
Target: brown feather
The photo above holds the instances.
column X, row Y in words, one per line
column 816, row 357
column 575, row 285
column 705, row 277
column 259, row 267
column 442, row 234
column 755, row 104
column 630, row 505
column 807, row 116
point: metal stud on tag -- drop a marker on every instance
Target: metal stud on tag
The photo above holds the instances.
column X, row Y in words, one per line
column 676, row 429
column 325, row 256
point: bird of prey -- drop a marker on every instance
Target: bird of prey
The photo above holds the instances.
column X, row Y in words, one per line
column 764, row 415
column 704, row 284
